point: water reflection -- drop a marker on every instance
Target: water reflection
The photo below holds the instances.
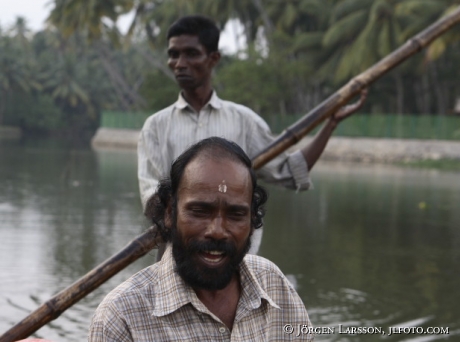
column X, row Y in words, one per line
column 369, row 246
column 371, row 255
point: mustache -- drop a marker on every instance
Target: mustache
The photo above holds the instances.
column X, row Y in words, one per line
column 212, row 245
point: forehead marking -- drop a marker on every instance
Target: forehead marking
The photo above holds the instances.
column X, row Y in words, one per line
column 222, row 187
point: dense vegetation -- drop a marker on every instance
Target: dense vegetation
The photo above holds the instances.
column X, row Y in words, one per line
column 296, row 53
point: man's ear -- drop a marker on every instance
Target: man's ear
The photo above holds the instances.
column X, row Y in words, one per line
column 215, row 57
column 168, row 215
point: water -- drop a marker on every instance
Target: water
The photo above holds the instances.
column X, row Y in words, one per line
column 370, row 246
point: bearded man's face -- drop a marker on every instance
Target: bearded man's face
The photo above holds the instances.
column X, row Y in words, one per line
column 212, row 225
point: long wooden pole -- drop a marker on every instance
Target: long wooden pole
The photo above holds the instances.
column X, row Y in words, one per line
column 147, row 241
column 307, row 123
column 54, row 307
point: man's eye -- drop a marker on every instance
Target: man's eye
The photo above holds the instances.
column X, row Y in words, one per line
column 238, row 214
column 198, row 211
column 192, row 53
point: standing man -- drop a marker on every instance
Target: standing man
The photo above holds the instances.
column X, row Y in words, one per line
column 199, row 113
column 205, row 288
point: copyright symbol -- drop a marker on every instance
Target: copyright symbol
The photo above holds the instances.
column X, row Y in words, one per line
column 288, row 329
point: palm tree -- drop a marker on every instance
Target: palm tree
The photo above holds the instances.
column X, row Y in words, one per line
column 361, row 33
column 21, row 32
column 17, row 65
column 90, row 16
column 420, row 13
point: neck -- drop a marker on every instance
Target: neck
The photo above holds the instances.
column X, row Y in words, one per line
column 197, row 97
column 222, row 303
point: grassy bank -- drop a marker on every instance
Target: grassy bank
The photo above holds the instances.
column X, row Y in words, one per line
column 441, row 164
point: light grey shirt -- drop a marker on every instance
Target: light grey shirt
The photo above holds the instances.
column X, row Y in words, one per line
column 169, row 132
column 156, row 305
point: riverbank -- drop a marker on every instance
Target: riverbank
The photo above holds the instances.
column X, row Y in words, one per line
column 115, row 138
column 10, row 133
column 338, row 148
column 387, row 150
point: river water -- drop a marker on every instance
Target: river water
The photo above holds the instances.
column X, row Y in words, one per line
column 370, row 246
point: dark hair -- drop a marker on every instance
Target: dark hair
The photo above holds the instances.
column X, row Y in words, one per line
column 197, row 25
column 166, row 193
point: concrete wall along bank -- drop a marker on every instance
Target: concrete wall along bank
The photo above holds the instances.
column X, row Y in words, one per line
column 10, row 133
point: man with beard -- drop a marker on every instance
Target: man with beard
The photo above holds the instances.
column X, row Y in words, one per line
column 205, row 288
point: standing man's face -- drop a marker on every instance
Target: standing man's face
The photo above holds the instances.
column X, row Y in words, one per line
column 191, row 63
column 213, row 221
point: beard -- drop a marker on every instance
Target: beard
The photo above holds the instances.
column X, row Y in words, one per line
column 197, row 275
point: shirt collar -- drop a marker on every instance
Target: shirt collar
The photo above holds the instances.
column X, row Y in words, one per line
column 214, row 102
column 252, row 292
column 172, row 293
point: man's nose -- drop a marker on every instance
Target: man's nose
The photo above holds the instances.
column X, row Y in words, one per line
column 180, row 62
column 216, row 229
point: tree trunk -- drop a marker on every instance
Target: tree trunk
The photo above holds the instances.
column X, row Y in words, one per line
column 268, row 25
column 160, row 65
column 422, row 94
column 126, row 95
column 399, row 93
column 426, row 94
column 441, row 106
column 2, row 106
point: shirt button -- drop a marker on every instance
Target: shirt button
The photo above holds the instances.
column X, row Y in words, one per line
column 222, row 330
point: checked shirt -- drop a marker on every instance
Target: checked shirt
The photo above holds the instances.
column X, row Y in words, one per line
column 156, row 305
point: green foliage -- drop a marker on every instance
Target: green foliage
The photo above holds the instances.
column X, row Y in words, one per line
column 34, row 112
column 345, row 29
column 159, row 91
column 254, row 84
column 441, row 164
column 308, row 40
column 347, row 7
column 55, row 85
column 298, row 52
column 123, row 120
column 75, row 15
column 401, row 126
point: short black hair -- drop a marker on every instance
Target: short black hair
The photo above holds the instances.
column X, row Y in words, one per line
column 197, row 25
column 166, row 192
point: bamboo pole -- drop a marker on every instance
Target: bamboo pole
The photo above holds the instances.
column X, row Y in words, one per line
column 306, row 124
column 147, row 241
column 54, row 307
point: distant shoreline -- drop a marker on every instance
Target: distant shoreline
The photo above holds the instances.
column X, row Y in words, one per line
column 10, row 133
column 387, row 150
column 338, row 148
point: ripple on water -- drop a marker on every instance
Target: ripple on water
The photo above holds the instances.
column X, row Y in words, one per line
column 346, row 308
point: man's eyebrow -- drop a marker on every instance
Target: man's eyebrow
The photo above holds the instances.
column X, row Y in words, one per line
column 205, row 204
column 186, row 49
column 238, row 207
column 201, row 204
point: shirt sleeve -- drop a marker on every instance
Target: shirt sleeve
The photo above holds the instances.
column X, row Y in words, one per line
column 287, row 169
column 148, row 171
